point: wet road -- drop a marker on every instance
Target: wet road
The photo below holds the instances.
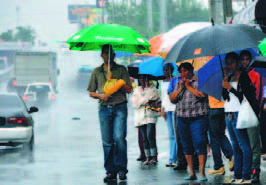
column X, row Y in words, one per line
column 68, row 151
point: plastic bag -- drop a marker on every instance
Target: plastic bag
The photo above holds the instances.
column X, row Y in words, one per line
column 113, row 85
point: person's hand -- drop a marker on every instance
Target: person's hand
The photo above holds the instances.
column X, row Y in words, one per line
column 182, row 83
column 163, row 114
column 226, row 85
column 264, row 108
column 187, row 83
column 103, row 97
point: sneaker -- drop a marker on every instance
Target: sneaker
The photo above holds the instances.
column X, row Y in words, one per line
column 220, row 171
column 122, row 176
column 255, row 177
column 109, row 178
column 231, row 164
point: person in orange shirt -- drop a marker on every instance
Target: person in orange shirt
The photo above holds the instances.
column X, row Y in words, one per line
column 219, row 142
column 254, row 132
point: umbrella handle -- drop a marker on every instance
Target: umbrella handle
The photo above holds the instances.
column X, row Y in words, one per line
column 221, row 65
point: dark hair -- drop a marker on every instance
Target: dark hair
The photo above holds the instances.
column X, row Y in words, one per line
column 106, row 48
column 232, row 55
column 186, row 65
column 169, row 66
column 245, row 53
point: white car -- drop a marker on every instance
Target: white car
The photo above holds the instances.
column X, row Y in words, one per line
column 40, row 93
column 16, row 123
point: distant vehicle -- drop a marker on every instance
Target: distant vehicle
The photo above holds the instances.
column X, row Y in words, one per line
column 16, row 123
column 34, row 66
column 39, row 93
column 83, row 75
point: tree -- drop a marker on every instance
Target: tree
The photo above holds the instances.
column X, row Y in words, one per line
column 25, row 34
column 7, row 36
column 134, row 15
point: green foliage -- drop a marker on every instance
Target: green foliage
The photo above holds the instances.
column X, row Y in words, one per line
column 23, row 34
column 7, row 36
column 134, row 15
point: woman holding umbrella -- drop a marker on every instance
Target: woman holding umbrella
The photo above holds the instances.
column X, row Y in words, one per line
column 237, row 85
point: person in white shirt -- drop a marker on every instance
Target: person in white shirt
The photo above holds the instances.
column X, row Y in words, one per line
column 146, row 119
column 168, row 113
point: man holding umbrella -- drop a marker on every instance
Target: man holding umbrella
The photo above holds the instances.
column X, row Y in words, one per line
column 112, row 114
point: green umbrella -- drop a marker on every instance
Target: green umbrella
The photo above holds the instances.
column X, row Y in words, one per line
column 262, row 47
column 122, row 38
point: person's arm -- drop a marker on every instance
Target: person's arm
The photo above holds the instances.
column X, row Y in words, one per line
column 193, row 90
column 93, row 86
column 127, row 88
column 137, row 99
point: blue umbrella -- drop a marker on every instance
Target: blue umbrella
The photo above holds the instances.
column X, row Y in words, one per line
column 123, row 54
column 210, row 75
column 152, row 66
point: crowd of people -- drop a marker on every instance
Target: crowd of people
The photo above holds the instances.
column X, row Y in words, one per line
column 194, row 120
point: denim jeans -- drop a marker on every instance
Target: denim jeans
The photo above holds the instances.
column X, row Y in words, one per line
column 149, row 139
column 113, row 122
column 241, row 147
column 193, row 134
column 171, row 132
column 218, row 140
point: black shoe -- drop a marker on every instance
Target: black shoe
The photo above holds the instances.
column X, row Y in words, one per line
column 141, row 158
column 180, row 167
column 110, row 178
column 255, row 177
column 122, row 176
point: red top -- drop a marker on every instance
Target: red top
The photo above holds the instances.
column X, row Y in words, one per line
column 255, row 79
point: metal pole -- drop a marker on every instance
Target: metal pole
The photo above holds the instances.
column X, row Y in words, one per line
column 149, row 16
column 163, row 18
column 17, row 10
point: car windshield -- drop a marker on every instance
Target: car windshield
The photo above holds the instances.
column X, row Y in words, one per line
column 39, row 88
column 85, row 69
column 9, row 101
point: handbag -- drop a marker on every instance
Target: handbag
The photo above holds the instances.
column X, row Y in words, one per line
column 246, row 116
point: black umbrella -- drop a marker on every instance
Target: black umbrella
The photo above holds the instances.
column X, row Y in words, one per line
column 215, row 40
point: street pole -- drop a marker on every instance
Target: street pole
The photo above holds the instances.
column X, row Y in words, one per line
column 216, row 11
column 227, row 10
column 149, row 16
column 17, row 10
column 163, row 16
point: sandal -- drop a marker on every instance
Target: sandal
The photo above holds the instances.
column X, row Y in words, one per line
column 235, row 181
column 190, row 178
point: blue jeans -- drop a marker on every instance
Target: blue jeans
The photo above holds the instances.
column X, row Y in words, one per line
column 218, row 140
column 241, row 147
column 149, row 139
column 171, row 132
column 113, row 122
column 193, row 134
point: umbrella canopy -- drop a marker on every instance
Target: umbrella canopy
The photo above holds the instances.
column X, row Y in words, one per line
column 149, row 65
column 262, row 47
column 215, row 40
column 122, row 38
column 210, row 75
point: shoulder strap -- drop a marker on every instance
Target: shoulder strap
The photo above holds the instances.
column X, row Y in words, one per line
column 260, row 91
